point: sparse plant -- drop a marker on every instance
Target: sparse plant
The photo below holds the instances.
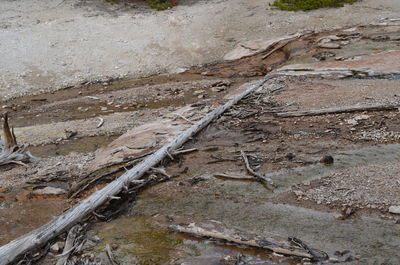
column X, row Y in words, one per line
column 159, row 4
column 295, row 5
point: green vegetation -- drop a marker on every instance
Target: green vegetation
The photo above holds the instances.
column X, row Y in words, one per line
column 295, row 5
column 159, row 4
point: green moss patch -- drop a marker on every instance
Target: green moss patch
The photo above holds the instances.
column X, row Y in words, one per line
column 159, row 4
column 295, row 5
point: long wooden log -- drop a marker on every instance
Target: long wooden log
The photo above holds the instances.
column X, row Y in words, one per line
column 276, row 247
column 41, row 235
column 337, row 110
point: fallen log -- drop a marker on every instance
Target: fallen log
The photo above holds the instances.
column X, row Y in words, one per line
column 252, row 241
column 338, row 110
column 38, row 237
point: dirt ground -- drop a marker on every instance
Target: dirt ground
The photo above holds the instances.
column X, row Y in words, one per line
column 47, row 45
column 336, row 175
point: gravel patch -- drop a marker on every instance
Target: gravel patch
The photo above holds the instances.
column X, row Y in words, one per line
column 372, row 186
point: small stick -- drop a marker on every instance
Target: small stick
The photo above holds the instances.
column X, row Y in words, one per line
column 267, row 181
column 225, row 176
column 184, row 151
column 98, row 215
column 339, row 110
column 169, row 155
column 92, row 97
column 161, row 171
column 183, row 117
column 110, row 255
column 100, row 123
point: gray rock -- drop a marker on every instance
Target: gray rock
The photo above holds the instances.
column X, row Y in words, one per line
column 394, row 209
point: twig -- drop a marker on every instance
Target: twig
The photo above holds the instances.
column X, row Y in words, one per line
column 161, row 171
column 317, row 254
column 267, row 181
column 183, row 117
column 100, row 123
column 110, row 255
column 178, row 152
column 225, row 176
column 337, row 110
column 92, row 97
column 169, row 155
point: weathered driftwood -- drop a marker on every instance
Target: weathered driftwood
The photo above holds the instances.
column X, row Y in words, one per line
column 337, row 110
column 234, row 177
column 260, row 178
column 110, row 255
column 69, row 245
column 277, row 247
column 11, row 152
column 40, row 236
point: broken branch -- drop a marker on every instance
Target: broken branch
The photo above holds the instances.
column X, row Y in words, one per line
column 276, row 247
column 262, row 179
column 337, row 110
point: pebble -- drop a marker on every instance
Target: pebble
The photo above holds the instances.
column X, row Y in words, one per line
column 394, row 209
column 57, row 247
column 327, row 160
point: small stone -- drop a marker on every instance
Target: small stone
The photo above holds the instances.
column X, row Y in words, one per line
column 114, row 246
column 57, row 247
column 341, row 252
column 394, row 209
column 327, row 160
column 352, row 122
column 103, row 108
column 290, row 156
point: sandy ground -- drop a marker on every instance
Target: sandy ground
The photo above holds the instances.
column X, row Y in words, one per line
column 45, row 45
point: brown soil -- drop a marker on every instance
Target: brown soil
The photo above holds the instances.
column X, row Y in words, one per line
column 140, row 115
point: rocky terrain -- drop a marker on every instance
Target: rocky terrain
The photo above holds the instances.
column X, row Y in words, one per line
column 324, row 129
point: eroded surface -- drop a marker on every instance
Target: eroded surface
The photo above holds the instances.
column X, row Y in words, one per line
column 340, row 208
